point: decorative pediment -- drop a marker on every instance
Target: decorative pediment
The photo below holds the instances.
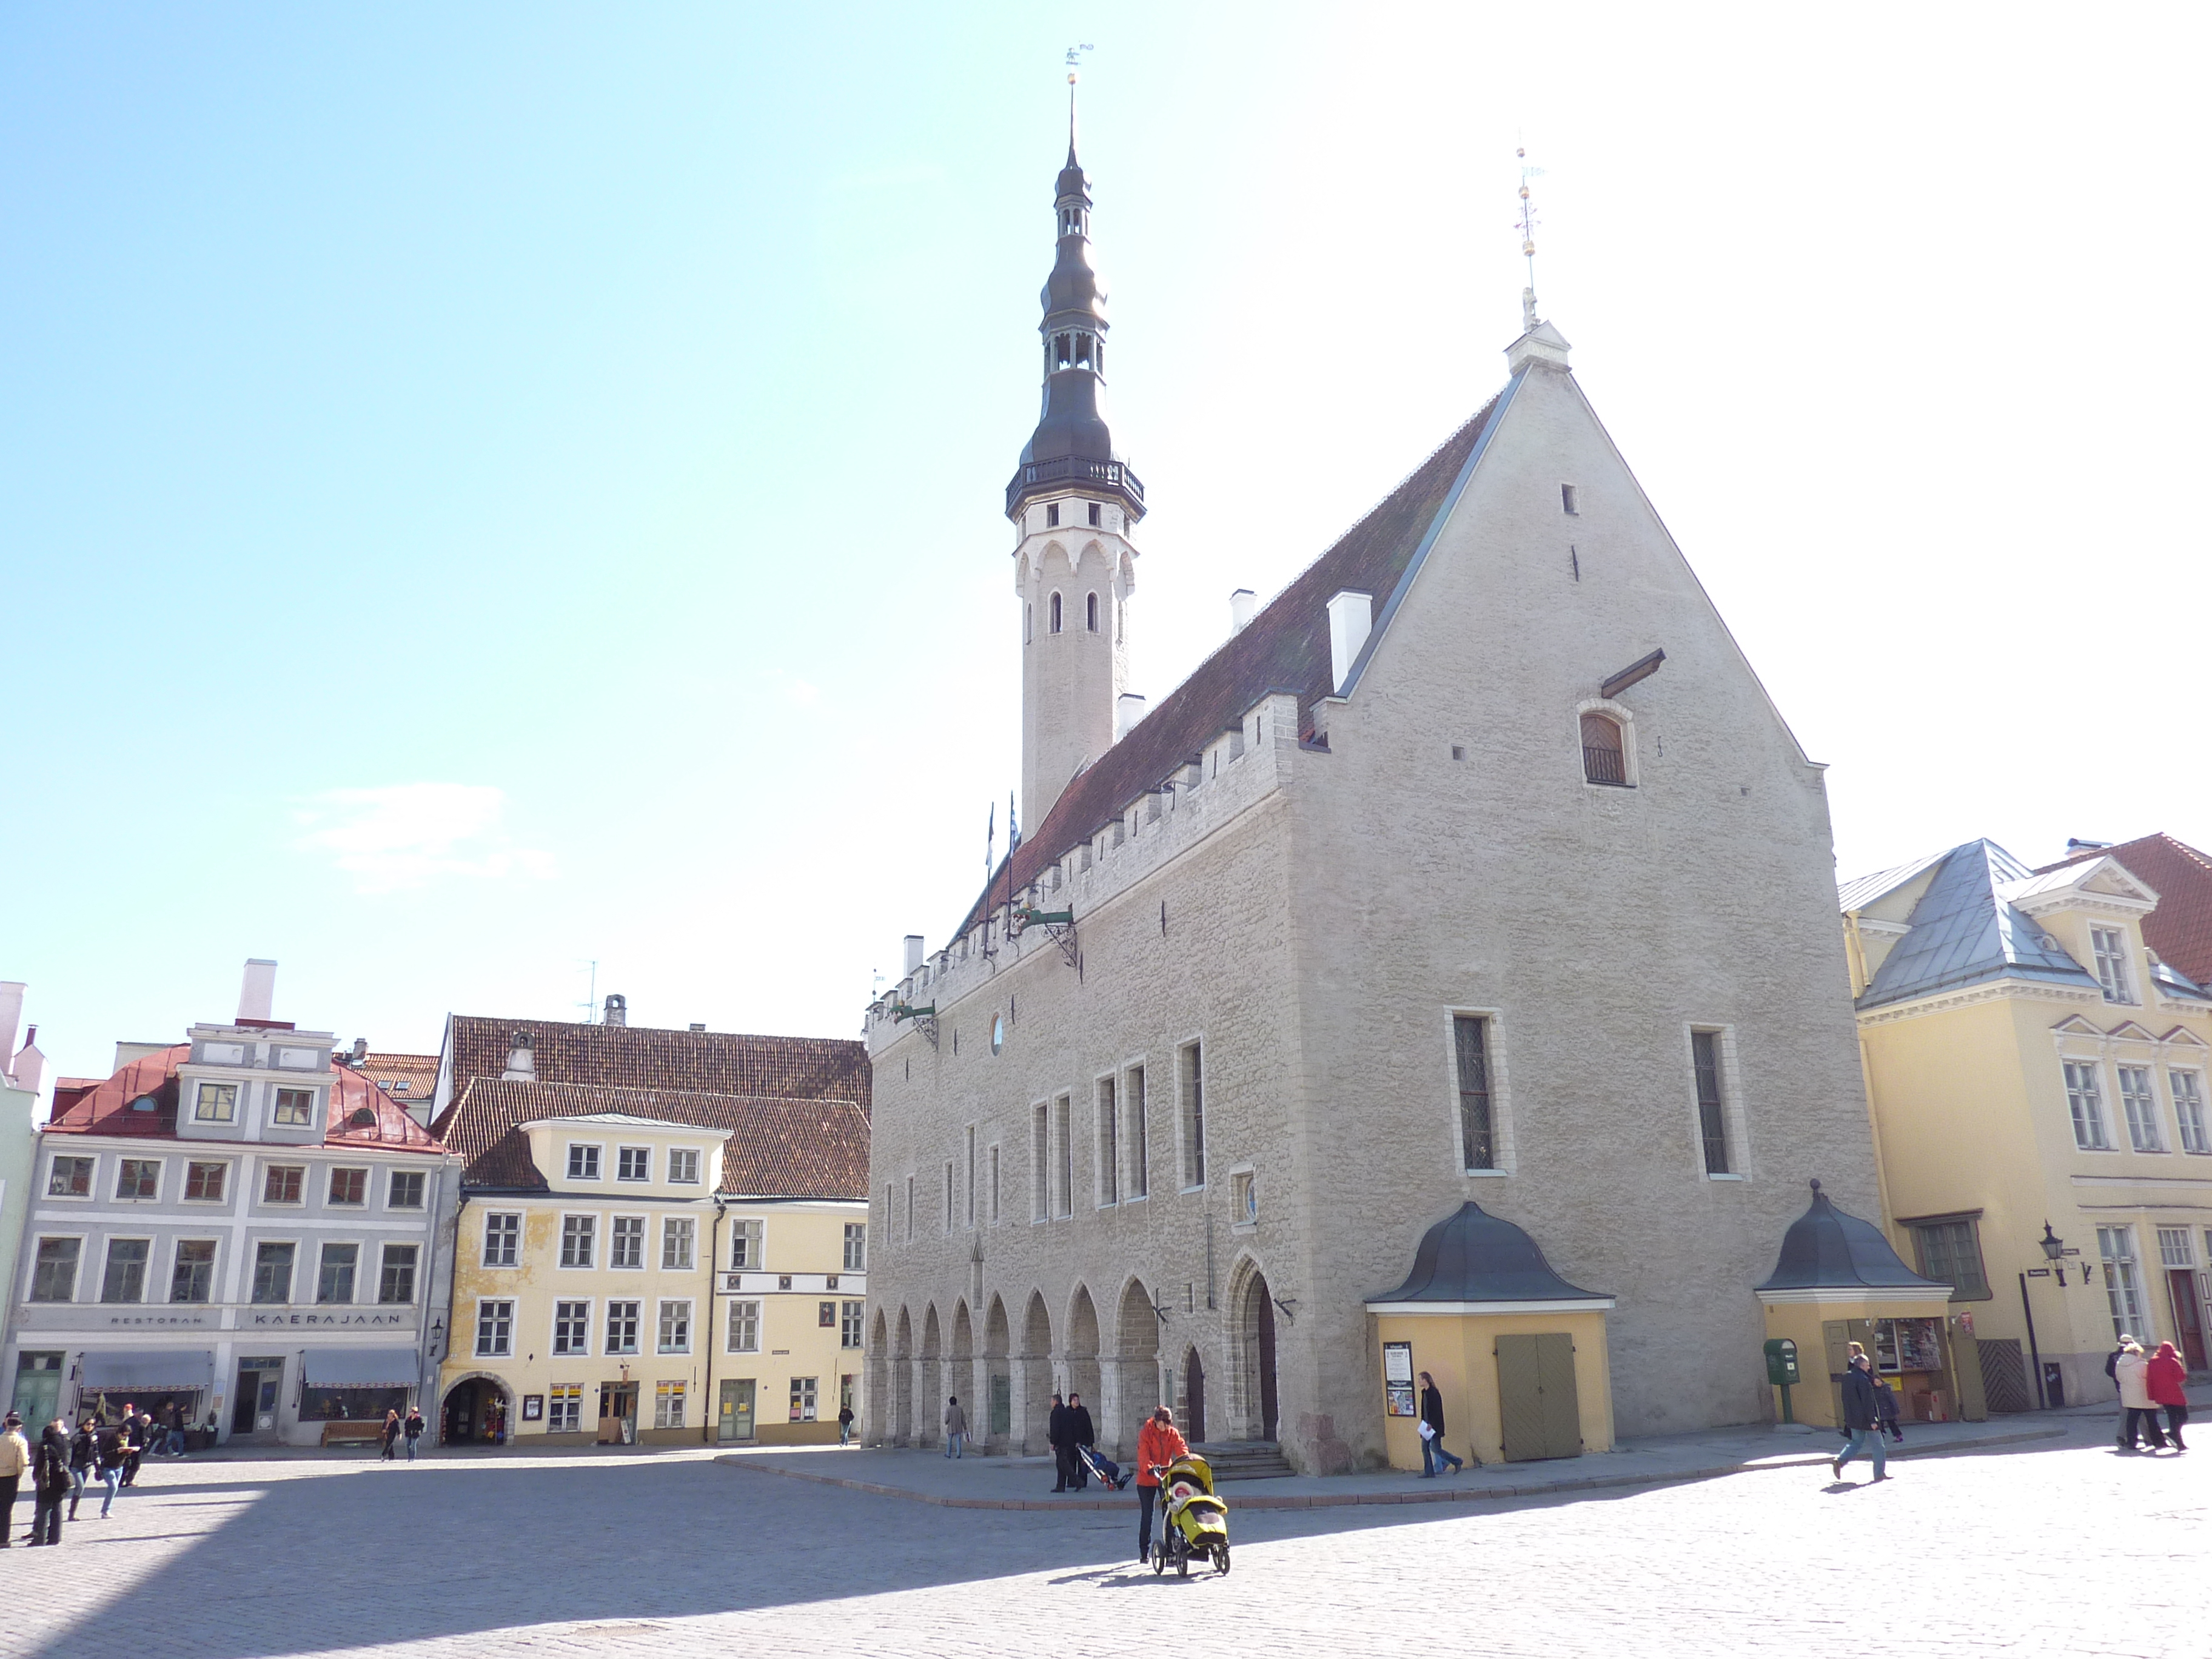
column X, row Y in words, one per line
column 2182, row 1036
column 2103, row 884
column 2074, row 1025
column 2128, row 1031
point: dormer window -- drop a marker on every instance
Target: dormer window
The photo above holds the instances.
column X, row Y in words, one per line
column 217, row 1103
column 295, row 1108
column 633, row 1164
column 583, row 1163
column 1605, row 758
column 2109, row 945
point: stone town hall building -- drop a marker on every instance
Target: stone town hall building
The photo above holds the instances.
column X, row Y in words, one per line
column 1477, row 865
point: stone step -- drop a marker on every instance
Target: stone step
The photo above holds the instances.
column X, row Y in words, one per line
column 1244, row 1460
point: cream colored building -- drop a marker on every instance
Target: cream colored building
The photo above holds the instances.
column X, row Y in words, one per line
column 2037, row 1074
column 1476, row 866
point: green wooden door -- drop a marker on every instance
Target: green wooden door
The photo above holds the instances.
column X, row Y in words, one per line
column 1538, row 1412
column 1002, row 1407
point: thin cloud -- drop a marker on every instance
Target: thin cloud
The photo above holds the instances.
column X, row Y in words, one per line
column 408, row 835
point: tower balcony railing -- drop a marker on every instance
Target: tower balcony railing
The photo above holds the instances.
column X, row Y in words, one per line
column 1073, row 470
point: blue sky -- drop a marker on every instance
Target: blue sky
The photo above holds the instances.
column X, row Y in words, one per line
column 484, row 490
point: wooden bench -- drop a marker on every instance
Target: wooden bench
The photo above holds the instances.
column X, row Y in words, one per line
column 352, row 1434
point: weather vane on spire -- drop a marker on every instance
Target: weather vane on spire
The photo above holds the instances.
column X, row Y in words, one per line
column 1074, row 58
column 1528, row 226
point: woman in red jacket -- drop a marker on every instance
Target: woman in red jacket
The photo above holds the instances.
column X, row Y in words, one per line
column 1159, row 1443
column 2162, row 1379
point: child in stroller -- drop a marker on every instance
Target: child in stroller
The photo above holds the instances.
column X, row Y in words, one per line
column 1103, row 1468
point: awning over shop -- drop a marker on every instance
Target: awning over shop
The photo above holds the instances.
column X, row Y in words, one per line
column 154, row 1370
column 363, row 1368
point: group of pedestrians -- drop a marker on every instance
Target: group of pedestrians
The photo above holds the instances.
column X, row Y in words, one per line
column 1068, row 1428
column 2148, row 1384
column 396, row 1429
column 62, row 1464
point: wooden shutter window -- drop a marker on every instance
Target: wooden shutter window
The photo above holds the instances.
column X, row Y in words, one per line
column 1603, row 761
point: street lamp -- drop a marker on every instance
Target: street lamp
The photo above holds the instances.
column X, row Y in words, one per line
column 2054, row 1248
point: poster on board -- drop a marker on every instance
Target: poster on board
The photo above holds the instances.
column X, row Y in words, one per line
column 1398, row 1379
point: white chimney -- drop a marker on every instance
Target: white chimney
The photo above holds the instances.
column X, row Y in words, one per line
column 617, row 1012
column 29, row 1066
column 1128, row 709
column 11, row 1014
column 1241, row 603
column 521, row 1059
column 256, row 995
column 1350, row 617
column 914, row 951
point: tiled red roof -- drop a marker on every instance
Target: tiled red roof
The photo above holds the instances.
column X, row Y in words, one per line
column 419, row 1073
column 2180, row 929
column 778, row 1148
column 645, row 1057
column 1284, row 649
column 105, row 1108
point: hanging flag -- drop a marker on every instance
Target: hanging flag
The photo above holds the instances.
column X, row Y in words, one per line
column 1014, row 829
column 990, row 841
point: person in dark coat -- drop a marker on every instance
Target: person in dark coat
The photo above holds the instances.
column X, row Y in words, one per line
column 109, row 1452
column 1063, row 1447
column 1862, row 1416
column 413, row 1429
column 1080, row 1433
column 1433, row 1455
column 391, row 1427
column 1885, row 1404
column 82, row 1456
column 50, row 1483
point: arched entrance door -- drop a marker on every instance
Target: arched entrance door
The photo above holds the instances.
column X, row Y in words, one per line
column 475, row 1412
column 1193, row 1397
column 1260, row 1351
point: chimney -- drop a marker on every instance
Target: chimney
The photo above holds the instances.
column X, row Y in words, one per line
column 699, row 1025
column 1128, row 709
column 521, row 1059
column 11, row 1014
column 1350, row 617
column 914, row 951
column 1241, row 603
column 617, row 1010
column 360, row 1051
column 2074, row 847
column 256, row 995
column 29, row 1066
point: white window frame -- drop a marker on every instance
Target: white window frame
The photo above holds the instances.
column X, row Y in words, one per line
column 2085, row 1108
column 91, row 1191
column 330, row 1173
column 598, row 1148
column 685, row 1158
column 1190, row 1117
column 662, row 1317
column 200, row 1101
column 478, row 1348
column 643, row 1153
column 1501, row 1120
column 30, row 1268
column 561, row 1262
column 744, row 1313
column 673, row 1227
column 145, row 1266
column 753, row 1230
column 564, row 1408
column 2139, row 1107
column 636, row 1317
column 852, row 1325
column 2169, row 1259
column 321, row 1246
column 856, row 1261
column 2123, row 1281
column 2189, row 1108
column 2114, row 976
column 392, row 1175
column 160, row 1177
column 615, row 1223
column 176, row 1251
column 261, row 1199
column 415, row 1282
column 483, row 1254
column 184, row 1186
column 668, row 1402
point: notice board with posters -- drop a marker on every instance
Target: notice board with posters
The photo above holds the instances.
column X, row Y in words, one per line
column 1398, row 1380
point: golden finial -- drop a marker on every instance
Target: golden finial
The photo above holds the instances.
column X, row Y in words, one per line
column 1528, row 228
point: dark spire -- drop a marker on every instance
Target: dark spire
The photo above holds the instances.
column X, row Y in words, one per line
column 1071, row 442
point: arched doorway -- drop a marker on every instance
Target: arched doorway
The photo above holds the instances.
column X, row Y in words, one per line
column 1137, row 1342
column 1083, row 1374
column 998, row 1416
column 476, row 1413
column 1256, row 1357
column 1036, row 1374
column 876, row 1427
column 929, row 1425
column 903, row 1382
column 1193, row 1397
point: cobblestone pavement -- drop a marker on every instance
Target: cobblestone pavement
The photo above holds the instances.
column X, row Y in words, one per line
column 2058, row 1547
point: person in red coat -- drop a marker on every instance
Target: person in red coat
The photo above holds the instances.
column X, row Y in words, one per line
column 1159, row 1443
column 2163, row 1381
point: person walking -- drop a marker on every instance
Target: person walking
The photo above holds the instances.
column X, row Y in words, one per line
column 1159, row 1443
column 14, row 1459
column 1055, row 1435
column 391, row 1427
column 1080, row 1434
column 175, row 1416
column 81, row 1462
column 2164, row 1381
column 955, row 1427
column 1885, row 1408
column 2131, row 1372
column 134, row 1442
column 109, row 1450
column 1431, row 1428
column 50, row 1482
column 413, row 1429
column 844, row 1423
column 1862, row 1416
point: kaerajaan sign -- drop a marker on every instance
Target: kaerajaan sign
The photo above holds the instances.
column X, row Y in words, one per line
column 262, row 1319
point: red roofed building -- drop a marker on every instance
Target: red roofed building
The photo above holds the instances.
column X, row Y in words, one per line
column 234, row 1226
column 2180, row 929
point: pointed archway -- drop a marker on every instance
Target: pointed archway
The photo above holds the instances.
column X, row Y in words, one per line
column 996, row 1419
column 1257, row 1407
column 1194, row 1397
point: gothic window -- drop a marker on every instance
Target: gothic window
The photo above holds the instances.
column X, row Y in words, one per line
column 1097, row 514
column 1603, row 758
column 1062, row 351
column 1090, row 607
column 1083, row 351
column 1055, row 613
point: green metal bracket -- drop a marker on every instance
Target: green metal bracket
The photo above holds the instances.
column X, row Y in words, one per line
column 925, row 1019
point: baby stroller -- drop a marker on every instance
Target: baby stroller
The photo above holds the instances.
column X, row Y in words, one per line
column 1103, row 1468
column 1192, row 1520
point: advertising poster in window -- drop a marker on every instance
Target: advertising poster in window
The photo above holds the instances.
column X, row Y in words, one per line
column 1398, row 1379
column 533, row 1407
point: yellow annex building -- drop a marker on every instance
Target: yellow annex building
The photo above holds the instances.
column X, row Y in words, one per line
column 2038, row 1079
column 653, row 1264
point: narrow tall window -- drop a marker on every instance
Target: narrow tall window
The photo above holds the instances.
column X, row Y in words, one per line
column 1713, row 1115
column 2110, row 946
column 494, row 1329
column 125, row 1280
column 948, row 1195
column 1054, row 623
column 2085, row 1100
column 395, row 1284
column 622, row 1327
column 1097, row 520
column 745, row 1241
column 745, row 1327
column 677, row 1233
column 625, row 1243
column 1040, row 1161
column 334, row 1282
column 272, row 1274
column 1109, row 1149
column 1604, row 760
column 1194, row 1116
column 909, row 1209
column 848, row 1325
column 2140, row 1107
column 994, row 1184
column 1569, row 500
column 1052, row 515
column 675, row 1326
column 193, row 1276
column 576, row 1232
column 2123, row 1291
column 2189, row 1111
column 1063, row 1165
column 1090, row 601
column 502, row 1240
column 971, row 1174
column 1140, row 1176
column 54, row 1278
column 856, row 1247
column 1477, row 1136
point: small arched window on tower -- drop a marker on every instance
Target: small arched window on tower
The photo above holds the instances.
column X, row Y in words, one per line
column 1083, row 351
column 1054, row 623
column 1096, row 512
column 1091, row 612
column 1062, row 351
column 1604, row 756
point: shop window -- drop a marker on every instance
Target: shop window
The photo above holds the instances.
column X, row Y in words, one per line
column 803, row 1399
column 564, row 1408
column 668, row 1405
